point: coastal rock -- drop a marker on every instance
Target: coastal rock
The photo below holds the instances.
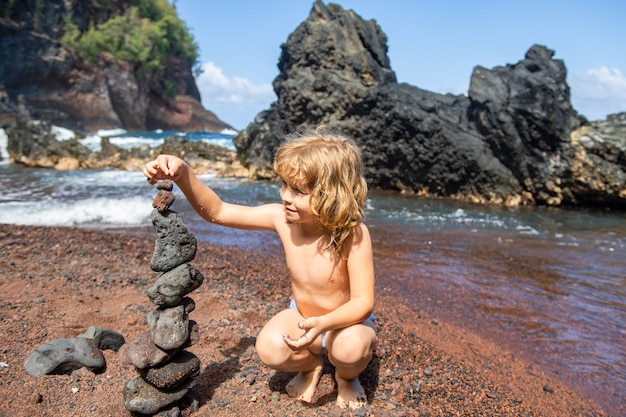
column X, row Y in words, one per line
column 104, row 338
column 62, row 356
column 183, row 366
column 142, row 397
column 169, row 326
column 508, row 142
column 173, row 285
column 67, row 89
column 174, row 245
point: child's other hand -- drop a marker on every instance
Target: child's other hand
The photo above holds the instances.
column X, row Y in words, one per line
column 164, row 167
column 311, row 332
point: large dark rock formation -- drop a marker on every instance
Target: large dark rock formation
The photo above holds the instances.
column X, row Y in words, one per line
column 65, row 89
column 513, row 141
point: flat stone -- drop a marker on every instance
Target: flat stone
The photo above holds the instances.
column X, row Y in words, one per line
column 104, row 338
column 142, row 397
column 171, row 287
column 184, row 365
column 167, row 185
column 169, row 326
column 175, row 244
column 143, row 353
column 62, row 356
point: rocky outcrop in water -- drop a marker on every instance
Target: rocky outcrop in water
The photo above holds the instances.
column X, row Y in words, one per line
column 33, row 143
column 514, row 140
column 166, row 370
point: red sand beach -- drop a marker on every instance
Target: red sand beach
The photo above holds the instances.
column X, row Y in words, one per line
column 56, row 282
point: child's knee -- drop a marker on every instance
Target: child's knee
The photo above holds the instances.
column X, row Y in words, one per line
column 271, row 349
column 351, row 347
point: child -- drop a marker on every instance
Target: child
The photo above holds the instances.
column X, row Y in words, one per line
column 328, row 252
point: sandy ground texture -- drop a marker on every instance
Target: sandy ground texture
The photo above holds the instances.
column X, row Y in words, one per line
column 56, row 282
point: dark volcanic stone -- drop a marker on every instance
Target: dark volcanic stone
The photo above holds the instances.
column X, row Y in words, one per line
column 62, row 356
column 169, row 326
column 104, row 338
column 175, row 244
column 175, row 372
column 172, row 286
column 142, row 397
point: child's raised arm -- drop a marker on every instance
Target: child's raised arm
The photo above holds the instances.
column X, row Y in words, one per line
column 206, row 202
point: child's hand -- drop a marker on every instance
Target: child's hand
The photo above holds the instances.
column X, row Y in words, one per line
column 311, row 332
column 165, row 167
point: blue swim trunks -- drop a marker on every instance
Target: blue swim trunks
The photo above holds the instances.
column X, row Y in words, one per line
column 292, row 304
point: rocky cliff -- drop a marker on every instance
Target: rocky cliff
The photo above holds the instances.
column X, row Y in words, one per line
column 63, row 86
column 514, row 140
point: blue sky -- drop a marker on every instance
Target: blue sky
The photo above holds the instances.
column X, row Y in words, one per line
column 433, row 45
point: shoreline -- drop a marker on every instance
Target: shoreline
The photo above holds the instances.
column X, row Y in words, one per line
column 57, row 281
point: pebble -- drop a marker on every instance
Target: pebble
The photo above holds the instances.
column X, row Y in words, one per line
column 62, row 356
column 163, row 200
column 104, row 338
column 169, row 326
column 171, row 287
column 143, row 353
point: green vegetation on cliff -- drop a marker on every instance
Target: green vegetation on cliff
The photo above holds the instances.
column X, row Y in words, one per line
column 147, row 34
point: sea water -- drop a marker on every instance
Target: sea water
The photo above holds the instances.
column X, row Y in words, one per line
column 551, row 282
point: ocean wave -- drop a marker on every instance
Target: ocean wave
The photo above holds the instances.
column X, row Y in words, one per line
column 126, row 212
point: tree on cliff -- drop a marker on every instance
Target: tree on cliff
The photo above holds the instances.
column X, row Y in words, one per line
column 147, row 34
column 94, row 64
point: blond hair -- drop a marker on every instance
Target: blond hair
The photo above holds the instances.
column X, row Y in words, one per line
column 329, row 168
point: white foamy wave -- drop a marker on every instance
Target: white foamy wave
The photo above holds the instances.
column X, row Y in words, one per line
column 225, row 143
column 128, row 212
column 110, row 132
column 526, row 230
column 229, row 132
column 61, row 133
column 4, row 143
column 127, row 142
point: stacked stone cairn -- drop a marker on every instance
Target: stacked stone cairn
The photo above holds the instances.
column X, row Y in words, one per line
column 166, row 370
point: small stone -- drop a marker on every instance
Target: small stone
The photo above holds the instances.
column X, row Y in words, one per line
column 141, row 397
column 175, row 244
column 163, row 200
column 104, row 338
column 428, row 371
column 167, row 185
column 491, row 394
column 183, row 366
column 62, row 356
column 143, row 353
column 169, row 326
column 548, row 388
column 171, row 287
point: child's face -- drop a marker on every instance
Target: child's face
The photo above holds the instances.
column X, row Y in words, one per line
column 296, row 203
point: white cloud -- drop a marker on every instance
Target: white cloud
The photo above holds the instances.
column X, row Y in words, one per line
column 235, row 100
column 216, row 86
column 598, row 92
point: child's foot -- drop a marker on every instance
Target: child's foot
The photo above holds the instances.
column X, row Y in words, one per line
column 302, row 386
column 350, row 393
